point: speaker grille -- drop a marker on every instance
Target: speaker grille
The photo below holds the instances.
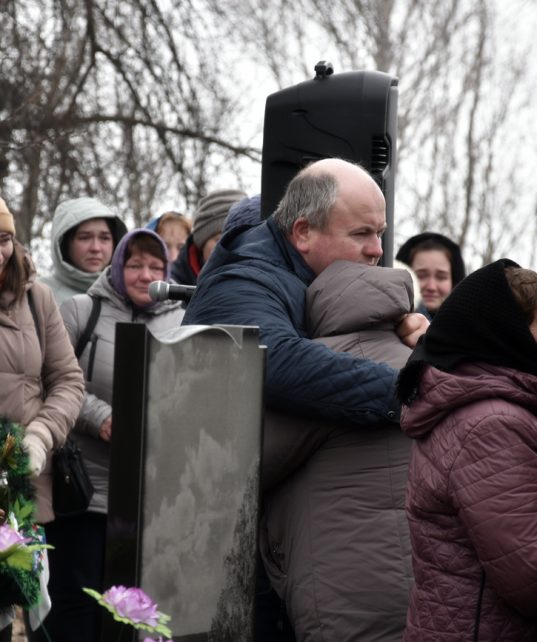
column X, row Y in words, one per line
column 380, row 154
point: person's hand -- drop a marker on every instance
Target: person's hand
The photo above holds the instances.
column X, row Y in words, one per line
column 105, row 431
column 411, row 327
column 37, row 454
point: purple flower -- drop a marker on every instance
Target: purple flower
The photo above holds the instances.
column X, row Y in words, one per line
column 132, row 604
column 159, row 640
column 9, row 536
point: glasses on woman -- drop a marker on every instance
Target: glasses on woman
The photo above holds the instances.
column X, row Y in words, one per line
column 136, row 268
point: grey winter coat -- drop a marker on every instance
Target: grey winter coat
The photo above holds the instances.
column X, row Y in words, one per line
column 66, row 280
column 98, row 400
column 334, row 536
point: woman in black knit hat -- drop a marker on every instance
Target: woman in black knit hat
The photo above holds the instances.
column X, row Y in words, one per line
column 469, row 391
column 438, row 264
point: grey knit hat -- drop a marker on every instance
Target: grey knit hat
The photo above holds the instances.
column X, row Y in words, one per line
column 211, row 213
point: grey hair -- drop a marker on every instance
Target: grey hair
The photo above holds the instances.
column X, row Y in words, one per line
column 309, row 195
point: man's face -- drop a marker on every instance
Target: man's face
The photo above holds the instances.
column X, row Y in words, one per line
column 353, row 233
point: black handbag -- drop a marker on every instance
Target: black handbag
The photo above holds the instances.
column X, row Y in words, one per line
column 72, row 489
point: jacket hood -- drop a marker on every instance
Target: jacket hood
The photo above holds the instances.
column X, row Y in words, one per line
column 441, row 393
column 240, row 244
column 246, row 212
column 68, row 215
column 385, row 295
column 153, row 223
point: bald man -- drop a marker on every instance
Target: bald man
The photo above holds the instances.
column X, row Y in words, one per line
column 331, row 210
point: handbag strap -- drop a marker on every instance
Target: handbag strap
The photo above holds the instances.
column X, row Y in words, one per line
column 90, row 325
column 33, row 310
column 35, row 317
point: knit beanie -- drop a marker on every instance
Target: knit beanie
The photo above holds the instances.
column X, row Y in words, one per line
column 246, row 212
column 7, row 224
column 118, row 259
column 211, row 213
column 458, row 270
column 480, row 321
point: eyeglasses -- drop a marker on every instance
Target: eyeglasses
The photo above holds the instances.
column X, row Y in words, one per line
column 139, row 267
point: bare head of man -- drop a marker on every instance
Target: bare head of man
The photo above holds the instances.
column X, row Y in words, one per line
column 333, row 210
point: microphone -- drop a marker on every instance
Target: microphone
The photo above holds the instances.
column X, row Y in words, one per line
column 161, row 291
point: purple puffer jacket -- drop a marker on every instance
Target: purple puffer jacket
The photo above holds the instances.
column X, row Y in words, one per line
column 472, row 505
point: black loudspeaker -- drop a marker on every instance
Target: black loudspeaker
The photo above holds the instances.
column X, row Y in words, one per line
column 351, row 115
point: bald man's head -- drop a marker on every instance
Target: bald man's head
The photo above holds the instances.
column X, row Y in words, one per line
column 315, row 189
column 333, row 201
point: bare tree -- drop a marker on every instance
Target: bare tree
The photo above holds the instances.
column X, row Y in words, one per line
column 120, row 100
column 134, row 101
column 461, row 98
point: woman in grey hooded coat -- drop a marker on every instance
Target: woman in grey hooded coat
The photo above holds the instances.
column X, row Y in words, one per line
column 84, row 235
column 78, row 558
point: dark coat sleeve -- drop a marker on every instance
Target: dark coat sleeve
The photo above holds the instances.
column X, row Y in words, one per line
column 301, row 376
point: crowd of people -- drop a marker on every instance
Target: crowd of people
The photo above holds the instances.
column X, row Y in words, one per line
column 400, row 420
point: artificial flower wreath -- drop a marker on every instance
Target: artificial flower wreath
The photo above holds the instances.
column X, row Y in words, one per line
column 21, row 540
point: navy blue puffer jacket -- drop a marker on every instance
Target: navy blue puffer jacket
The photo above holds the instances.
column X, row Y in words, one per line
column 256, row 277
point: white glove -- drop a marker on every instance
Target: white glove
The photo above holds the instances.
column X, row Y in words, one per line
column 37, row 454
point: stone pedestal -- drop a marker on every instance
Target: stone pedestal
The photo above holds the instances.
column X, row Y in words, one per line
column 184, row 475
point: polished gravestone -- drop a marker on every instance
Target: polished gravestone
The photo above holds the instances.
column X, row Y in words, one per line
column 183, row 506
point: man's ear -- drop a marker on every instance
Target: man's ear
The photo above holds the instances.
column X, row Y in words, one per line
column 301, row 235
